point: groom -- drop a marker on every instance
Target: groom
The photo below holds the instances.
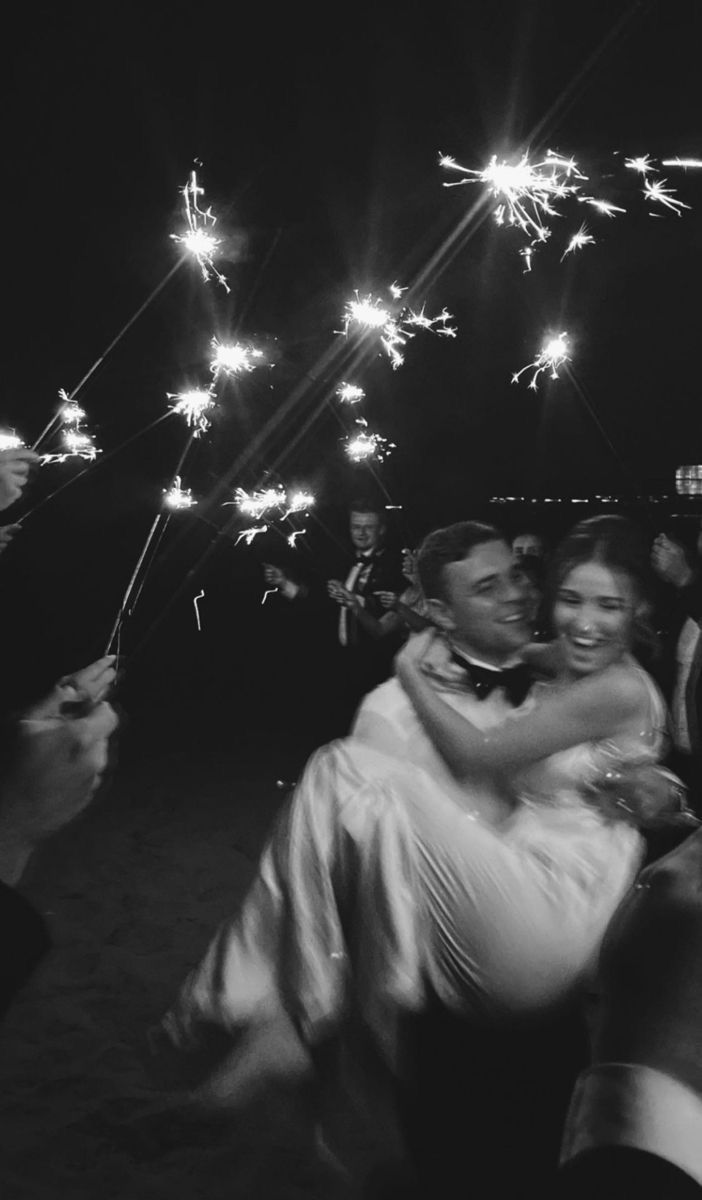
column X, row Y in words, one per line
column 479, row 598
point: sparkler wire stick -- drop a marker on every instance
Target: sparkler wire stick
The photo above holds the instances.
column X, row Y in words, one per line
column 123, row 610
column 94, row 464
column 582, row 396
column 57, row 415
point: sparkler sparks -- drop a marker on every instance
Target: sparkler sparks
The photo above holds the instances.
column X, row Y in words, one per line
column 257, row 504
column 199, row 241
column 177, row 497
column 553, row 354
column 368, row 314
column 527, row 191
column 248, row 535
column 578, row 240
column 657, row 191
column 194, row 406
column 71, row 413
column 299, row 502
column 364, row 446
column 642, row 164
column 350, row 393
column 10, row 441
column 235, row 358
column 292, row 537
column 603, row 206
column 77, row 444
column 267, row 593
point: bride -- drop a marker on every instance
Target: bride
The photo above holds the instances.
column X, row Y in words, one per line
column 375, row 886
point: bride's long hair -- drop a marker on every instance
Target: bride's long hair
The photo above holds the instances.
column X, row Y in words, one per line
column 620, row 545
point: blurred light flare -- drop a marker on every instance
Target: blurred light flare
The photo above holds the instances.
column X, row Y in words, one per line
column 248, row 535
column 10, row 441
column 234, row 358
column 292, row 538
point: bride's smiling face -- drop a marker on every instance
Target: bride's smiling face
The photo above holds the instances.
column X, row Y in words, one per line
column 593, row 617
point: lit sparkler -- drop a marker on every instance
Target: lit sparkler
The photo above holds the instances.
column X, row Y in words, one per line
column 368, row 313
column 643, row 164
column 177, row 497
column 578, row 240
column 194, row 406
column 199, row 240
column 553, row 354
column 235, row 358
column 248, row 535
column 657, row 191
column 10, row 441
column 71, row 413
column 350, row 393
column 527, row 192
column 299, row 502
column 267, row 593
column 364, row 446
column 292, row 537
column 77, row 444
column 257, row 504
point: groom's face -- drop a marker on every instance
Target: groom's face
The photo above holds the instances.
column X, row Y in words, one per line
column 486, row 603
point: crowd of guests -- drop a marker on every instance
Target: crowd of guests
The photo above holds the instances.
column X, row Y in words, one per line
column 496, row 874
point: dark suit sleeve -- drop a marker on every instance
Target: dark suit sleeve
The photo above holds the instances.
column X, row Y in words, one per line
column 631, row 1131
column 24, row 940
column 625, row 1174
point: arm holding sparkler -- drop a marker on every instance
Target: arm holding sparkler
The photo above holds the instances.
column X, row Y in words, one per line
column 376, row 627
column 15, row 466
column 275, row 577
column 57, row 758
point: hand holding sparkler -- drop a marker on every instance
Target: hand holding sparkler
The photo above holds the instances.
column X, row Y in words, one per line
column 7, row 532
column 340, row 594
column 59, row 756
column 15, row 466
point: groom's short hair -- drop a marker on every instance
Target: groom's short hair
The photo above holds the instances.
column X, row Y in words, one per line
column 448, row 545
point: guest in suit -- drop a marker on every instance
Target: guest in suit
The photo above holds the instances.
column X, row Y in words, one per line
column 682, row 570
column 364, row 637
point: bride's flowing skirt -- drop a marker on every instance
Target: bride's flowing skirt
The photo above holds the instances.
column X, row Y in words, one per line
column 374, row 885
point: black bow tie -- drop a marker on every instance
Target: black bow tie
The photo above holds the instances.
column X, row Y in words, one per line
column 364, row 558
column 515, row 681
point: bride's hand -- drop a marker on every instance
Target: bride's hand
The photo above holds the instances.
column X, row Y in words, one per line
column 410, row 658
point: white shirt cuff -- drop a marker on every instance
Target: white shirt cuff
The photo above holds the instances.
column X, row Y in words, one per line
column 626, row 1104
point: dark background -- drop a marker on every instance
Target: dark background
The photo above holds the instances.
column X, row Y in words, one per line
column 318, row 129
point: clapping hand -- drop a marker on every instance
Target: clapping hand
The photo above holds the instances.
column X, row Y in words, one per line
column 669, row 561
column 273, row 576
column 339, row 593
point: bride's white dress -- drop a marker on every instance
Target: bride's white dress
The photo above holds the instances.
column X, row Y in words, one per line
column 375, row 886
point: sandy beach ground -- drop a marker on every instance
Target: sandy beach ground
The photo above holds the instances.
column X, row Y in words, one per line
column 133, row 892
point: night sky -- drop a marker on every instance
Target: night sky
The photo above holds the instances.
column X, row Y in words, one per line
column 318, row 129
